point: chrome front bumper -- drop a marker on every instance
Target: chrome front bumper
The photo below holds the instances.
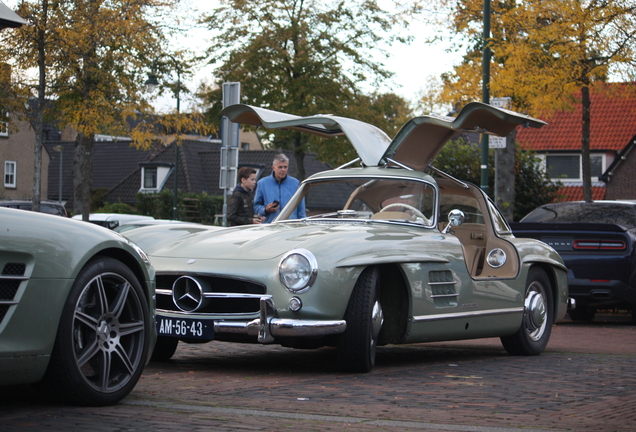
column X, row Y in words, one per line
column 268, row 326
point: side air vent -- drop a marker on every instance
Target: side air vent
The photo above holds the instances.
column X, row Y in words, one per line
column 10, row 278
column 14, row 269
column 442, row 288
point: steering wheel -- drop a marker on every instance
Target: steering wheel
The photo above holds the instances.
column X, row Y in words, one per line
column 407, row 206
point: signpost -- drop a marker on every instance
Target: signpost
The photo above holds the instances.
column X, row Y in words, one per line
column 497, row 142
column 229, row 145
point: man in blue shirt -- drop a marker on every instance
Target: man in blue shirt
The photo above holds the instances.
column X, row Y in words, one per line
column 273, row 192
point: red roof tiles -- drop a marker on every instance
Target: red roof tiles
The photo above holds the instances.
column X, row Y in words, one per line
column 575, row 193
column 612, row 116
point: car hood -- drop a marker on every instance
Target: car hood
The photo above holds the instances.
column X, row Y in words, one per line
column 269, row 241
column 415, row 145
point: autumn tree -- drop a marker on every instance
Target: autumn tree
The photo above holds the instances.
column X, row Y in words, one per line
column 30, row 51
column 96, row 56
column 546, row 52
column 303, row 56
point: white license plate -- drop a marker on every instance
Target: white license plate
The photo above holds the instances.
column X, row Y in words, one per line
column 185, row 328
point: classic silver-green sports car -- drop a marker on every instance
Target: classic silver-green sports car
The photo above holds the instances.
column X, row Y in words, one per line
column 76, row 308
column 388, row 254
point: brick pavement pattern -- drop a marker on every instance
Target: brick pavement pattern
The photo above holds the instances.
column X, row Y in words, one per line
column 585, row 381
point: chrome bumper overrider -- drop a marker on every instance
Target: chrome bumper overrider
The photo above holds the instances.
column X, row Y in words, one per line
column 268, row 326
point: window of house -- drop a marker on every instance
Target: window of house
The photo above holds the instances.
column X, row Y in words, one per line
column 9, row 174
column 154, row 176
column 570, row 167
column 245, row 146
column 150, row 178
column 4, row 126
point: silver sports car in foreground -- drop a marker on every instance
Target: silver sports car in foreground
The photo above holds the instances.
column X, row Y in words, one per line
column 76, row 308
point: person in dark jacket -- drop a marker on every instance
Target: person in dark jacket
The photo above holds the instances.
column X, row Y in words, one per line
column 240, row 210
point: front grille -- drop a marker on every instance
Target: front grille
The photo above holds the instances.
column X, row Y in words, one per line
column 218, row 285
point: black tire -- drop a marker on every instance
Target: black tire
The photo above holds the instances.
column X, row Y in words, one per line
column 164, row 349
column 102, row 341
column 538, row 316
column 582, row 313
column 364, row 317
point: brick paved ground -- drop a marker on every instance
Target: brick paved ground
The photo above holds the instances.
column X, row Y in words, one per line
column 585, row 381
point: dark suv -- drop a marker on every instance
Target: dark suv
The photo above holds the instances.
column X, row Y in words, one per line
column 49, row 207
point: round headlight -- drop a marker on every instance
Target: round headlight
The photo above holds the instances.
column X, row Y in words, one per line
column 298, row 270
column 496, row 258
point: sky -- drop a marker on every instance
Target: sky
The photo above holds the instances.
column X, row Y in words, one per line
column 412, row 64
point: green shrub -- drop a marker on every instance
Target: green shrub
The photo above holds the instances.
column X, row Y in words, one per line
column 119, row 207
column 192, row 207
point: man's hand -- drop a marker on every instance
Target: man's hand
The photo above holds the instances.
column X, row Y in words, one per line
column 272, row 207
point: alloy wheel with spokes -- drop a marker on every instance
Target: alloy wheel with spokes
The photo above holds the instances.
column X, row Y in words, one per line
column 103, row 337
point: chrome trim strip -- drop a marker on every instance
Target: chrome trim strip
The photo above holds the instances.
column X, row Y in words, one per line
column 408, row 168
column 442, row 283
column 232, row 295
column 448, row 176
column 16, row 278
column 473, row 314
column 444, row 295
column 349, row 163
column 223, row 295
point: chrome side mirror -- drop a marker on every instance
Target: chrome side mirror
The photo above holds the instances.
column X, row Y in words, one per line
column 455, row 218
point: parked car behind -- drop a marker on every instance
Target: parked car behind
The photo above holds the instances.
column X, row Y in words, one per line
column 388, row 254
column 76, row 308
column 113, row 220
column 50, row 207
column 597, row 243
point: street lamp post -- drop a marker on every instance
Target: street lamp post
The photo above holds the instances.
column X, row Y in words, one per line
column 151, row 84
column 485, row 92
column 59, row 148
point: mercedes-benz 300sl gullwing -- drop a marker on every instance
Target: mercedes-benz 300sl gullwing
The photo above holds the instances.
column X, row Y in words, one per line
column 392, row 251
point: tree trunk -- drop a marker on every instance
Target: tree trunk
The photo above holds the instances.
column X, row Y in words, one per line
column 506, row 162
column 82, row 175
column 585, row 144
column 299, row 157
column 38, row 117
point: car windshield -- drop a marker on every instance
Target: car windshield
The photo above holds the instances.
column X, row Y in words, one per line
column 365, row 198
column 619, row 214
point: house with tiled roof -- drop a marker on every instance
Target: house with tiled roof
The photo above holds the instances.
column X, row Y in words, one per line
column 612, row 136
column 115, row 158
column 199, row 170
